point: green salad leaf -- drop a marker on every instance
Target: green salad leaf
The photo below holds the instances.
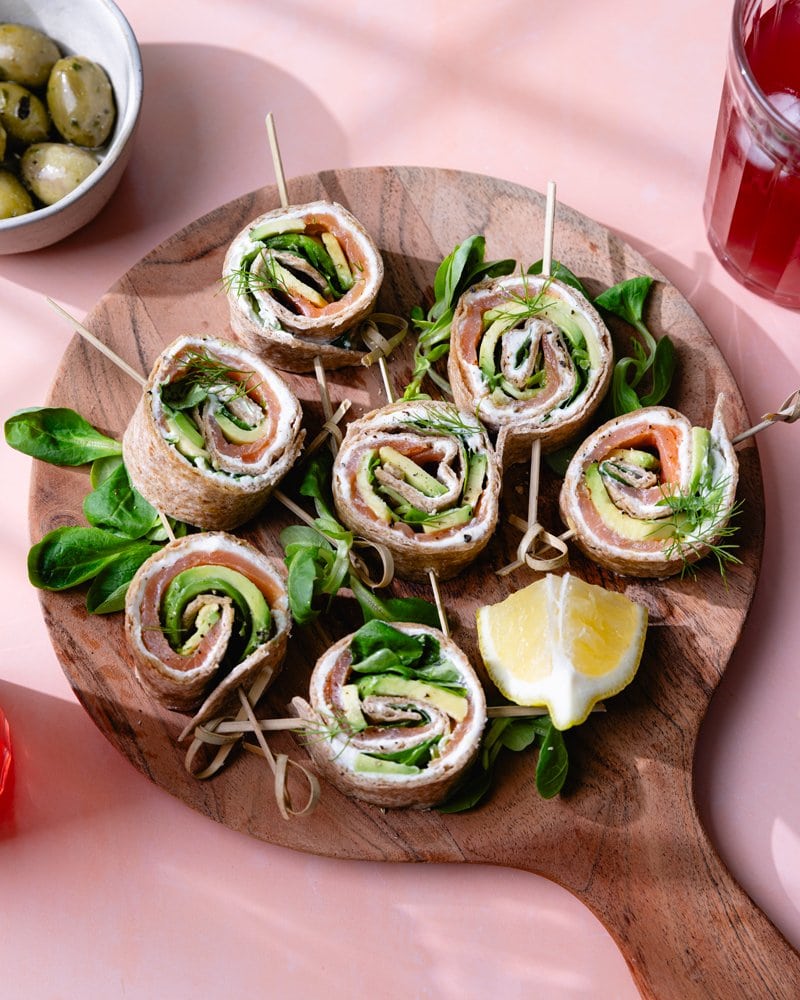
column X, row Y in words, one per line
column 57, row 435
column 515, row 734
column 318, row 561
column 627, row 300
column 124, row 529
column 460, row 270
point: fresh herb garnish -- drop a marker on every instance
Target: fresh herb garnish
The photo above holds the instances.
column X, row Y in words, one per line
column 446, row 420
column 514, row 734
column 205, row 375
column 124, row 528
column 627, row 300
column 318, row 561
column 464, row 267
column 700, row 521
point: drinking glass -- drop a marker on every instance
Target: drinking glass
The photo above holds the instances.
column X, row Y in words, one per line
column 752, row 202
column 5, row 752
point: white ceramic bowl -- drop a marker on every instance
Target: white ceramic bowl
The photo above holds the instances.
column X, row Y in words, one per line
column 96, row 29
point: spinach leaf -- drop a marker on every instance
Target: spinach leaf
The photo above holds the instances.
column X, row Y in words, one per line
column 553, row 763
column 316, row 485
column 516, row 734
column 69, row 556
column 116, row 505
column 303, row 566
column 561, row 273
column 318, row 560
column 627, row 300
column 416, row 756
column 378, row 639
column 469, row 792
column 460, row 270
column 393, row 609
column 102, row 468
column 57, row 435
column 109, row 587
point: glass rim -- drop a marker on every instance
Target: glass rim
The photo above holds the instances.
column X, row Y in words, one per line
column 792, row 131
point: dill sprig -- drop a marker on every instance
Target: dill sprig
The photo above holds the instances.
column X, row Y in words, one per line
column 531, row 305
column 205, row 374
column 447, row 419
column 700, row 523
column 245, row 278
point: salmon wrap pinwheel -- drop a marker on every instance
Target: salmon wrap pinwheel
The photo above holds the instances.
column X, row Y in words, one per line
column 203, row 616
column 420, row 477
column 532, row 357
column 215, row 431
column 647, row 494
column 395, row 715
column 299, row 281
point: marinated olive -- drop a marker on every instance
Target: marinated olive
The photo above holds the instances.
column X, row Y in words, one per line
column 22, row 114
column 81, row 101
column 52, row 169
column 3, row 139
column 26, row 55
column 14, row 199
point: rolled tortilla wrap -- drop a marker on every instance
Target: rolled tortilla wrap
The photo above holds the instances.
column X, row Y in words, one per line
column 203, row 616
column 391, row 740
column 299, row 281
column 617, row 487
column 422, row 478
column 532, row 357
column 215, row 431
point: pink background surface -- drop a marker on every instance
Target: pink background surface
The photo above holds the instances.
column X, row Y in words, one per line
column 109, row 886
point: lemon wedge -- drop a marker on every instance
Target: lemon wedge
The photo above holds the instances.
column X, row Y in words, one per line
column 563, row 644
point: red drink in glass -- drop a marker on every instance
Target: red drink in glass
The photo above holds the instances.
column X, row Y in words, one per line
column 752, row 204
column 5, row 754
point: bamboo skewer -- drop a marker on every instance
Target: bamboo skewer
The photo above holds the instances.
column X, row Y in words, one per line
column 789, row 412
column 536, row 543
column 95, row 342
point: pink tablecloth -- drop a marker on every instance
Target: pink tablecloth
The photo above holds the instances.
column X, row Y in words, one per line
column 110, row 887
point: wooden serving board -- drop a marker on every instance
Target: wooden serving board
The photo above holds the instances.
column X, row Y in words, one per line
column 624, row 835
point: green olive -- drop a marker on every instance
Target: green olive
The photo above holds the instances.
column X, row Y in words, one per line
column 26, row 55
column 3, row 141
column 52, row 169
column 81, row 101
column 14, row 199
column 22, row 114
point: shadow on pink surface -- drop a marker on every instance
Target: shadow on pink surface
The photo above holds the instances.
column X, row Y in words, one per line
column 63, row 770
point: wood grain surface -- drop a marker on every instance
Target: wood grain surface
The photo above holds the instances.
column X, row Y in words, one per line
column 624, row 835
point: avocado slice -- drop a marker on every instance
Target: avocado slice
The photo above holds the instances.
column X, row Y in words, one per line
column 275, row 227
column 476, row 473
column 188, row 439
column 500, row 321
column 620, row 522
column 367, row 764
column 412, row 473
column 337, row 255
column 455, row 705
column 448, row 519
column 288, row 282
column 236, row 434
column 701, row 446
column 250, row 604
column 635, row 456
column 207, row 618
column 379, row 507
column 353, row 716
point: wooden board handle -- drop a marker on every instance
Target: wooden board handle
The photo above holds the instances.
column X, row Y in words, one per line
column 683, row 924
